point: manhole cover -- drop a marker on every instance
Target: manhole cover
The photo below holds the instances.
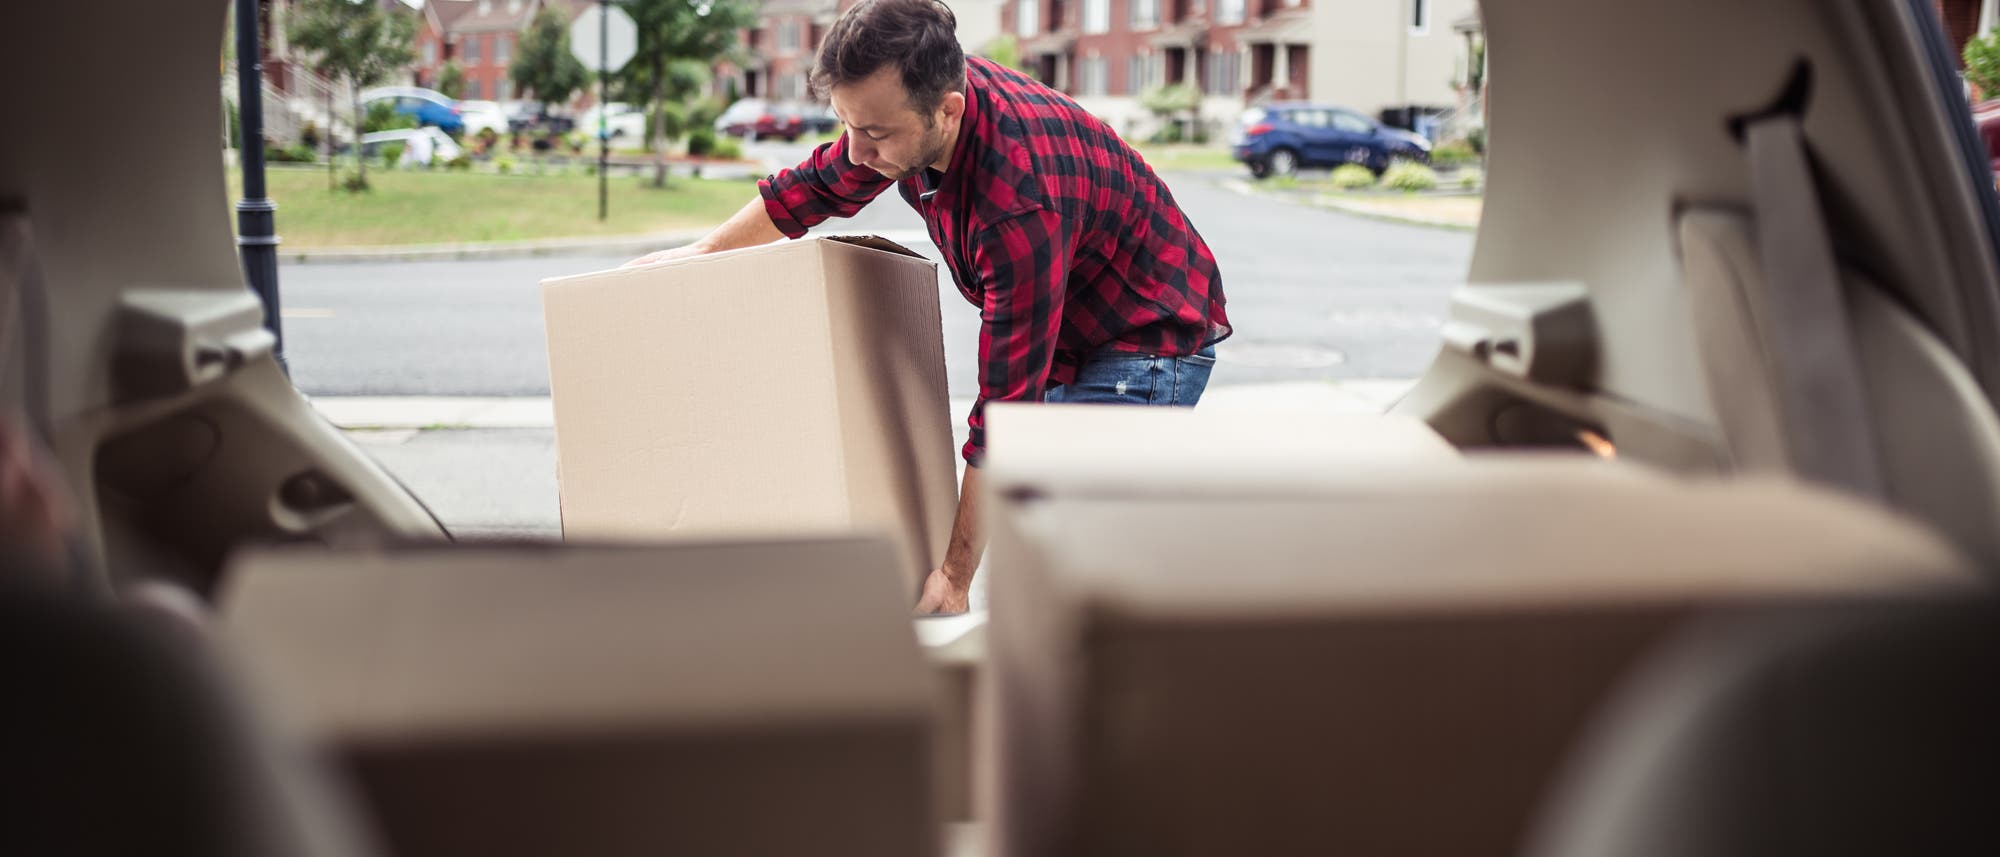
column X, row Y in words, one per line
column 1278, row 356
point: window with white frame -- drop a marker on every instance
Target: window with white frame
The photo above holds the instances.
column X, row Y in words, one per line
column 1097, row 16
column 1093, row 76
column 1145, row 14
column 503, row 89
column 430, row 53
column 1027, row 18
column 472, row 50
column 503, row 47
column 1229, row 12
column 1224, row 68
column 1135, row 75
column 1420, row 17
column 788, row 35
column 473, row 92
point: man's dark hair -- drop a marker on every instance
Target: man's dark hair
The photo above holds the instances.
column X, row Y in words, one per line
column 917, row 37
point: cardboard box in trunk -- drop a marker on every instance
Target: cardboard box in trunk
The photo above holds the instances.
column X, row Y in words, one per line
column 797, row 387
column 1317, row 658
column 687, row 699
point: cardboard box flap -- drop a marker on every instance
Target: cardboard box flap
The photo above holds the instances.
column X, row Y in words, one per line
column 875, row 242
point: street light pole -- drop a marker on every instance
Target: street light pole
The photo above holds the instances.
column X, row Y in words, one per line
column 603, row 109
column 256, row 214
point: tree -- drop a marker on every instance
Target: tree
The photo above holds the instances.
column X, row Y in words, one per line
column 1982, row 64
column 1005, row 50
column 543, row 64
column 359, row 42
column 451, row 80
column 679, row 40
column 1167, row 101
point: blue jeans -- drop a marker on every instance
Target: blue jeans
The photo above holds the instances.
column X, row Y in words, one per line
column 1127, row 378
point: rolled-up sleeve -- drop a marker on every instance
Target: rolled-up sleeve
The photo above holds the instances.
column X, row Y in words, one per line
column 824, row 185
column 1023, row 268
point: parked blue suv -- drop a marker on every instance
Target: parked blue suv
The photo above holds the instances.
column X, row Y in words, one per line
column 1278, row 139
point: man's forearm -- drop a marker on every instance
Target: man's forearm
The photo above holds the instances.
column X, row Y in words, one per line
column 746, row 228
column 961, row 556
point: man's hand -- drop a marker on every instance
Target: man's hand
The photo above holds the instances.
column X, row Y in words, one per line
column 943, row 596
column 685, row 252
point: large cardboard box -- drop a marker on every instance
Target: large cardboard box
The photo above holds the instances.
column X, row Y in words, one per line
column 796, row 387
column 1311, row 657
column 687, row 699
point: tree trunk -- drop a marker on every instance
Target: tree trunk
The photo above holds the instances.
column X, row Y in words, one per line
column 332, row 174
column 657, row 122
column 360, row 157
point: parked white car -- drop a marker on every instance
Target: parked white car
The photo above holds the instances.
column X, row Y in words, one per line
column 441, row 146
column 481, row 115
column 622, row 121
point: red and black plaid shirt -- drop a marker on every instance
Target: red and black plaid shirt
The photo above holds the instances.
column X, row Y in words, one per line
column 1051, row 225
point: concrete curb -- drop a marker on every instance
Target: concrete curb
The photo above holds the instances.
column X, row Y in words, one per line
column 407, row 413
column 633, row 245
column 1344, row 207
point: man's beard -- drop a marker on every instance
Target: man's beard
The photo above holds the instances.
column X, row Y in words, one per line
column 931, row 153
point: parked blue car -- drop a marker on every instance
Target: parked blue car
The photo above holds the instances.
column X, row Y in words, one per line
column 427, row 106
column 1278, row 139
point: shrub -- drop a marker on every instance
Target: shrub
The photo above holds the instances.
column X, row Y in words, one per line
column 391, row 154
column 382, row 116
column 1452, row 154
column 297, row 154
column 1982, row 64
column 504, row 165
column 1409, row 177
column 1352, row 177
column 355, row 183
column 462, row 163
column 1470, row 179
column 728, row 149
column 701, row 142
column 1476, row 138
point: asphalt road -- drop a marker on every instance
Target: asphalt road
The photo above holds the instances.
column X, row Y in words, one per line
column 1313, row 294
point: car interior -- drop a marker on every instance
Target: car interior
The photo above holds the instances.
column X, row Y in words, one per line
column 1681, row 544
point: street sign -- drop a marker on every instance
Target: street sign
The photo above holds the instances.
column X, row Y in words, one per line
column 604, row 38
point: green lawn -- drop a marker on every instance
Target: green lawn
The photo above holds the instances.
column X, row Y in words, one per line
column 453, row 207
column 1180, row 157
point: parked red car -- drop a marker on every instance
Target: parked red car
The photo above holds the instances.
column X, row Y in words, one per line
column 762, row 118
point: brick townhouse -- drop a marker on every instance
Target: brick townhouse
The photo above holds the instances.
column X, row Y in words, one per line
column 482, row 36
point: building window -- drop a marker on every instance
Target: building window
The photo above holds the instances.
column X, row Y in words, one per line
column 1097, row 16
column 503, row 89
column 1229, row 12
column 1420, row 17
column 473, row 90
column 430, row 53
column 485, row 6
column 1145, row 14
column 1135, row 75
column 1027, row 18
column 503, row 47
column 788, row 36
column 472, row 50
column 1224, row 68
column 1093, row 76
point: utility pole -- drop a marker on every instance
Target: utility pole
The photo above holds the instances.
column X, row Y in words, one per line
column 256, row 214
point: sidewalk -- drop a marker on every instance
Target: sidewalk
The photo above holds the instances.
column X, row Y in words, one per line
column 487, row 466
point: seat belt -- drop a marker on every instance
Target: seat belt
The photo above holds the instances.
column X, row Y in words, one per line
column 1802, row 316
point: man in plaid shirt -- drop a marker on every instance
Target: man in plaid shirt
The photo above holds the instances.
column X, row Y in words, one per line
column 1091, row 283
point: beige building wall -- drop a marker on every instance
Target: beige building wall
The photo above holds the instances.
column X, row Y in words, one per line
column 1366, row 54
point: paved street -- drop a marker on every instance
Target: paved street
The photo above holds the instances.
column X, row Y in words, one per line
column 1314, row 295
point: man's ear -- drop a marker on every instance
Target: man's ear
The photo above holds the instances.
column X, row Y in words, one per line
column 952, row 107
